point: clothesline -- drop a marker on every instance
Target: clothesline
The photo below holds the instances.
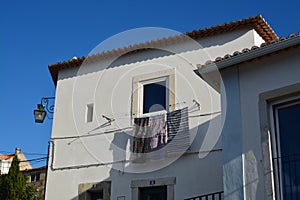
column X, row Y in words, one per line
column 192, row 108
column 88, row 134
column 123, row 161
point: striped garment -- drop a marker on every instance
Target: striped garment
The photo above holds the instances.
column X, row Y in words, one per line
column 178, row 131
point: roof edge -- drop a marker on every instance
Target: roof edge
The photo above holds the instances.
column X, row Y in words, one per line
column 258, row 23
column 252, row 54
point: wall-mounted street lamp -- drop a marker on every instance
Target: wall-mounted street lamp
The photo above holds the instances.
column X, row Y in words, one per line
column 43, row 108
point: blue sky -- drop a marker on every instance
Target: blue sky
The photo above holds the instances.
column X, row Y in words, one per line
column 34, row 34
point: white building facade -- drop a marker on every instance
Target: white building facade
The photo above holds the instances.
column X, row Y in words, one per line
column 96, row 152
column 261, row 133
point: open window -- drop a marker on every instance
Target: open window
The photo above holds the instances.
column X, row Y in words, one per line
column 153, row 93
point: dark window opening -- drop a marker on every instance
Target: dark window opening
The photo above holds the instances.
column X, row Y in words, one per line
column 35, row 177
column 89, row 112
column 153, row 193
column 155, row 97
column 288, row 150
column 32, row 178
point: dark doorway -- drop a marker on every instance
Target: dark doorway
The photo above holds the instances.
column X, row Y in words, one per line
column 96, row 195
column 153, row 193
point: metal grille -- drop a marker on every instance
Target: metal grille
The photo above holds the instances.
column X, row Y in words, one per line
column 288, row 176
column 212, row 196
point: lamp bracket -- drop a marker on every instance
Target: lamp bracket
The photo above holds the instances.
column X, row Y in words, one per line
column 47, row 106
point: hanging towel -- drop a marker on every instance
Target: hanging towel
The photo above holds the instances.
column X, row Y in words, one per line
column 150, row 136
column 158, row 136
column 178, row 131
column 157, row 131
column 140, row 140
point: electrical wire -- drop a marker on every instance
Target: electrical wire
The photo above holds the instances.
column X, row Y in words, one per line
column 30, row 160
column 27, row 153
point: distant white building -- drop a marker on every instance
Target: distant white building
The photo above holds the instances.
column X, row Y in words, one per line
column 6, row 160
column 149, row 122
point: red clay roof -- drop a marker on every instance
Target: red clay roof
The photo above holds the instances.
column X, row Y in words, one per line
column 258, row 23
column 6, row 156
column 35, row 169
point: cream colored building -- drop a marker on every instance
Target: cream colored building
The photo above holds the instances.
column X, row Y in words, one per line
column 6, row 160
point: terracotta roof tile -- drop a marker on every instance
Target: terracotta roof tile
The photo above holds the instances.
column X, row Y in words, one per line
column 35, row 169
column 246, row 50
column 257, row 23
column 6, row 156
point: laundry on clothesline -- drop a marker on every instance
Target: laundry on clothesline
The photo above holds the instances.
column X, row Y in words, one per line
column 156, row 136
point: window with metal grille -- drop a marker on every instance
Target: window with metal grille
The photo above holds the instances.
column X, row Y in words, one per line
column 286, row 149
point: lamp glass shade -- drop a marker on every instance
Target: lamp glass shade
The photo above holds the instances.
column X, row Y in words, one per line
column 39, row 115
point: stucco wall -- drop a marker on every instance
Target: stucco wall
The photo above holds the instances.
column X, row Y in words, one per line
column 110, row 91
column 255, row 78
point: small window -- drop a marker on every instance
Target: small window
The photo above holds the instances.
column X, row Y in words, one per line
column 89, row 112
column 154, row 92
column 37, row 177
column 32, row 178
column 154, row 97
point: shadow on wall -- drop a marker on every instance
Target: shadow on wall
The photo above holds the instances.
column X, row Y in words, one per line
column 121, row 143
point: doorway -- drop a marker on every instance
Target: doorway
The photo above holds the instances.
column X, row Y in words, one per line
column 153, row 193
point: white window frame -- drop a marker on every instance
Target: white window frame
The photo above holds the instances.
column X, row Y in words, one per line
column 138, row 91
column 141, row 95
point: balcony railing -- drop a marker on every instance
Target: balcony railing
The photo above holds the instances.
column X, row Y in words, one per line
column 288, row 176
column 212, row 196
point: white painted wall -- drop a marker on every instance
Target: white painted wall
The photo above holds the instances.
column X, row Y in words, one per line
column 4, row 166
column 254, row 78
column 110, row 91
